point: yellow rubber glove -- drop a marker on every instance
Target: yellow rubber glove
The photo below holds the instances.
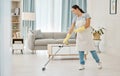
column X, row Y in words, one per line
column 80, row 29
column 65, row 41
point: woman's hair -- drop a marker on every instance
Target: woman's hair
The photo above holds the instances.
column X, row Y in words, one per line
column 77, row 7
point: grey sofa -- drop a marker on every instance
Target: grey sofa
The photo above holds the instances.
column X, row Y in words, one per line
column 38, row 40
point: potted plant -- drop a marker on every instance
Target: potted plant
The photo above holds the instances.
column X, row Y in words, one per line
column 97, row 33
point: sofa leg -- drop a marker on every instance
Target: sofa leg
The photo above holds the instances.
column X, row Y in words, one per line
column 48, row 56
column 33, row 51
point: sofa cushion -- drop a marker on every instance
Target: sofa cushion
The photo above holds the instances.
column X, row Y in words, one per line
column 73, row 36
column 59, row 35
column 72, row 41
column 60, row 41
column 48, row 35
column 44, row 42
column 38, row 34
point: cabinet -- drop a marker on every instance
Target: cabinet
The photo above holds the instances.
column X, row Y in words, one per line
column 16, row 18
column 18, row 44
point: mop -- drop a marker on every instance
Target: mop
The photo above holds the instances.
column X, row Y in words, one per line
column 44, row 67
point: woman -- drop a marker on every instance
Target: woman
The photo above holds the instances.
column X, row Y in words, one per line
column 84, row 41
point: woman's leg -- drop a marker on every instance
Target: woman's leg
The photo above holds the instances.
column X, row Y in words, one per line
column 82, row 62
column 95, row 56
column 81, row 57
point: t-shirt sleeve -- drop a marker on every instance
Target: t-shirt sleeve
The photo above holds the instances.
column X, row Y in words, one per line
column 87, row 16
column 74, row 20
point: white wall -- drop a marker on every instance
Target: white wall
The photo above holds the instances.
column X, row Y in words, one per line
column 5, row 36
column 99, row 10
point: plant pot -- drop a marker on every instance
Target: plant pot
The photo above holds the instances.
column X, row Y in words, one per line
column 96, row 36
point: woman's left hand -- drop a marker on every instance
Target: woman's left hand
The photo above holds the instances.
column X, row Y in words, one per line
column 80, row 29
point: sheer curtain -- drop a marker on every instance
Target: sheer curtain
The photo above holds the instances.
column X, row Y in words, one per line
column 48, row 15
column 28, row 16
column 28, row 5
column 55, row 15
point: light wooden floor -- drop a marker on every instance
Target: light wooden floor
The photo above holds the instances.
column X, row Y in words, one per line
column 31, row 65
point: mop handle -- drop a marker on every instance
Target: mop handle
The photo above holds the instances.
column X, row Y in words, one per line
column 54, row 54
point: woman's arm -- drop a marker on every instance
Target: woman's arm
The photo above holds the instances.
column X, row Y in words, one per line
column 65, row 41
column 71, row 28
column 82, row 28
column 87, row 24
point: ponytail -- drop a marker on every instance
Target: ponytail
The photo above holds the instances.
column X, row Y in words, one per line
column 77, row 7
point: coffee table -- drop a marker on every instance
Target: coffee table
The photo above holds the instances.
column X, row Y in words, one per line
column 66, row 50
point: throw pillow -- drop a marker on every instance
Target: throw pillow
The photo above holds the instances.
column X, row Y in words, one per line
column 38, row 34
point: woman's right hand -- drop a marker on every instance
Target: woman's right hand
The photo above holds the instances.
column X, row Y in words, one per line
column 65, row 41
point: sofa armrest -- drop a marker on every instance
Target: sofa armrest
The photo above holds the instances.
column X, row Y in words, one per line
column 31, row 40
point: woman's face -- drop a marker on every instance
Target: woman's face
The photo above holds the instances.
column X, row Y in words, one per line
column 74, row 11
